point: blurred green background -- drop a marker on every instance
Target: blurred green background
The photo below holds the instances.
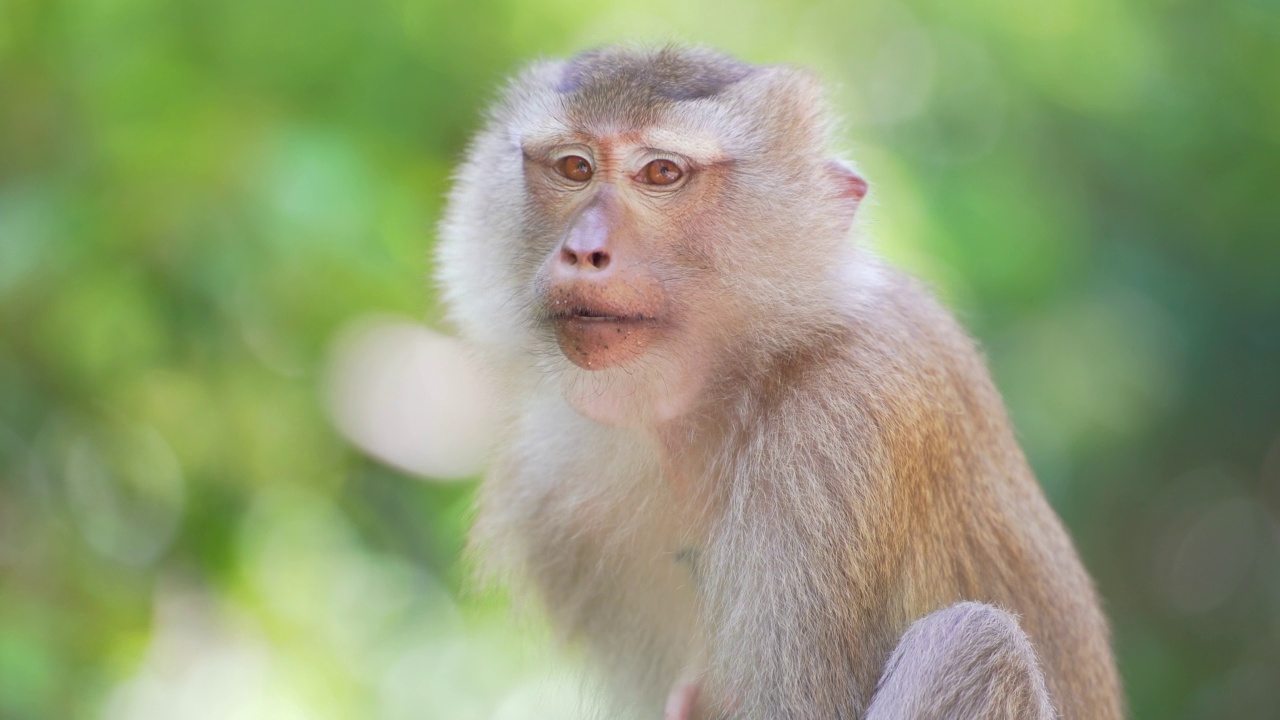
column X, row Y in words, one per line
column 197, row 197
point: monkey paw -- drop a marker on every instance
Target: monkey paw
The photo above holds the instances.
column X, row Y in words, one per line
column 681, row 700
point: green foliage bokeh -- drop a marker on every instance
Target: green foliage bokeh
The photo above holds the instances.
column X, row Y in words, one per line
column 196, row 196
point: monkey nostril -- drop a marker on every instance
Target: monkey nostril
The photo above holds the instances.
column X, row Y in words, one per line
column 584, row 260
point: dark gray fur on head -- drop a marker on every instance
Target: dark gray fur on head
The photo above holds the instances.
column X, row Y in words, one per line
column 669, row 73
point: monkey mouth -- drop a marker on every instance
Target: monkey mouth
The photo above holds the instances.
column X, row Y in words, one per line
column 602, row 325
column 595, row 315
column 594, row 338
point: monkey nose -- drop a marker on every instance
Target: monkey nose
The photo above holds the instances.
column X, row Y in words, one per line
column 586, row 247
column 584, row 260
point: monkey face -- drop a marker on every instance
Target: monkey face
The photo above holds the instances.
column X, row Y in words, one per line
column 629, row 219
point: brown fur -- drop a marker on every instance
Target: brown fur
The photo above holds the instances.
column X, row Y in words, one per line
column 810, row 459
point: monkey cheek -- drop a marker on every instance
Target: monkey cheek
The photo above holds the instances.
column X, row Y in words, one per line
column 601, row 344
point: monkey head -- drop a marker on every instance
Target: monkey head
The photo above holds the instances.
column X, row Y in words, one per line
column 628, row 213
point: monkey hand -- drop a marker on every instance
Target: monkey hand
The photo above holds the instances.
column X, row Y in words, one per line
column 681, row 700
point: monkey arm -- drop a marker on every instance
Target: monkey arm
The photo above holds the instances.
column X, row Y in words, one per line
column 968, row 660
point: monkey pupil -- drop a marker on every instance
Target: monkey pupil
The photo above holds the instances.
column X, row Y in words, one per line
column 663, row 172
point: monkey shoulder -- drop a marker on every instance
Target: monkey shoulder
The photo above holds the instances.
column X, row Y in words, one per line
column 892, row 355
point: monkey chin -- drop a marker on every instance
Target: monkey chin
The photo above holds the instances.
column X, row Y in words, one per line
column 642, row 383
column 603, row 342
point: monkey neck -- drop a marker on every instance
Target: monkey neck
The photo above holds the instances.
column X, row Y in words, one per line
column 737, row 391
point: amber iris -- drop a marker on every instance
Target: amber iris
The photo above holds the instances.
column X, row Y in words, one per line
column 662, row 172
column 574, row 167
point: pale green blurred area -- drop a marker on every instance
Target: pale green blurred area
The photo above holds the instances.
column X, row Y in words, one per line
column 196, row 198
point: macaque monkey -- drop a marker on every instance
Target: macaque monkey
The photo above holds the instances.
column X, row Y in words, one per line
column 757, row 473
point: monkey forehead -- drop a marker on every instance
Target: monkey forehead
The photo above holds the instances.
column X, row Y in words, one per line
column 704, row 130
column 692, row 140
column 695, row 102
column 671, row 92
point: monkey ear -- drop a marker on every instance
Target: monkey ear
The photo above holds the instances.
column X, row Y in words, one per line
column 850, row 186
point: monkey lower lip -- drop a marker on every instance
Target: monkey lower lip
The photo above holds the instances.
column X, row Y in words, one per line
column 595, row 342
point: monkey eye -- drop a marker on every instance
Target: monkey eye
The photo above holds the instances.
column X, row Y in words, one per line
column 660, row 172
column 574, row 167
